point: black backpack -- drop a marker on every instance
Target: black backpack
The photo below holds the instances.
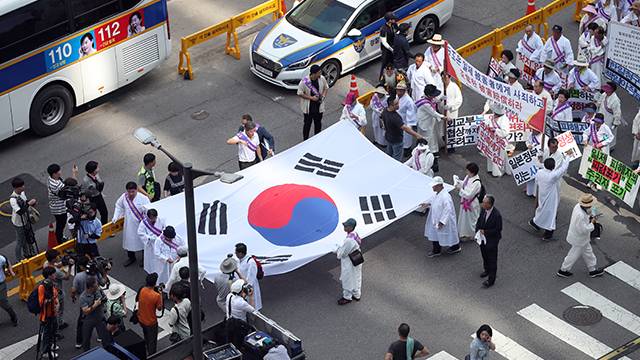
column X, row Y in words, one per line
column 482, row 191
column 33, row 302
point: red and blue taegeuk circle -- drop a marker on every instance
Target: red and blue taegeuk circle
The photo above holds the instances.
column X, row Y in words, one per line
column 293, row 215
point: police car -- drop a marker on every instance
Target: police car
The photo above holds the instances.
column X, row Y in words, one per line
column 338, row 35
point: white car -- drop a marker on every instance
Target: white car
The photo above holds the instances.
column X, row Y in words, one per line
column 338, row 35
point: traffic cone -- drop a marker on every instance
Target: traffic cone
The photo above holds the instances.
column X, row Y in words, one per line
column 353, row 87
column 52, row 241
column 283, row 7
column 531, row 6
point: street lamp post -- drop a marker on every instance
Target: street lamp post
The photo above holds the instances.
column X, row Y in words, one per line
column 146, row 137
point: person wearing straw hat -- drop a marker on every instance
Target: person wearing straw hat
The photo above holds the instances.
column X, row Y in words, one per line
column 115, row 305
column 598, row 52
column 166, row 251
column 429, row 119
column 598, row 134
column 558, row 49
column 579, row 237
column 530, row 44
column 549, row 77
column 583, row 78
column 377, row 104
column 608, row 104
column 419, row 75
column 353, row 112
column 441, row 227
column 407, row 111
column 633, row 17
column 434, row 57
column 590, row 16
column 350, row 275
column 223, row 280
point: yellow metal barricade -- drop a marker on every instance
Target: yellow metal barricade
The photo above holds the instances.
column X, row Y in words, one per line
column 230, row 27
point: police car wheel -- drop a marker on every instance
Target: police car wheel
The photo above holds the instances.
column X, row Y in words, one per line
column 427, row 27
column 331, row 71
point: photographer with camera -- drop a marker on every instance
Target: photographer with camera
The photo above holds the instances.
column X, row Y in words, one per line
column 62, row 273
column 93, row 182
column 56, row 203
column 179, row 315
column 88, row 232
column 86, row 269
column 48, row 301
column 149, row 300
column 92, row 302
column 237, row 308
column 20, row 208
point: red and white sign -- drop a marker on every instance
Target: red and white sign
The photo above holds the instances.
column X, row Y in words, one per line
column 568, row 146
column 490, row 145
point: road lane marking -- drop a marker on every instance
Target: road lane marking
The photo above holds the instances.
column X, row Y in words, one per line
column 442, row 355
column 14, row 350
column 608, row 308
column 510, row 349
column 565, row 332
column 625, row 273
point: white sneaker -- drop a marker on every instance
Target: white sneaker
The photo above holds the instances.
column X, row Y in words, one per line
column 78, row 346
column 54, row 355
column 55, row 347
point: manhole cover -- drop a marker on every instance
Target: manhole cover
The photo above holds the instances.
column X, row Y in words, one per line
column 582, row 315
column 200, row 115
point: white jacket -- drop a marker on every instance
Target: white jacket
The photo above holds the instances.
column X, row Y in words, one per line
column 580, row 228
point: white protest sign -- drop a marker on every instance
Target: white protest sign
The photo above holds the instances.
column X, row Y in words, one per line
column 524, row 166
column 568, row 146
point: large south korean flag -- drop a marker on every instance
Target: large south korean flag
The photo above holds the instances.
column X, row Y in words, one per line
column 289, row 209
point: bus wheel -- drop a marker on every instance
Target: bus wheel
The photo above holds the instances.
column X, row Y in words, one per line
column 50, row 110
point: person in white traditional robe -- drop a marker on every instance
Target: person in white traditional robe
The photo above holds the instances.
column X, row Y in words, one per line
column 506, row 64
column 377, row 104
column 419, row 75
column 549, row 76
column 248, row 269
column 183, row 261
column 561, row 108
column 598, row 134
column 130, row 205
column 469, row 190
column 149, row 232
column 453, row 100
column 551, row 151
column 607, row 10
column 585, row 39
column 434, row 57
column 441, row 227
column 635, row 132
column 353, row 112
column 548, row 184
column 579, row 237
column 598, row 53
column 558, row 49
column 590, row 16
column 512, row 79
column 589, row 112
column 350, row 275
column 166, row 251
column 583, row 78
column 533, row 140
column 609, row 105
column 633, row 17
column 538, row 89
column 421, row 158
column 499, row 124
column 407, row 112
column 429, row 119
column 530, row 45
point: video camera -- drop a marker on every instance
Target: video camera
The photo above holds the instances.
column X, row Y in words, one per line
column 76, row 200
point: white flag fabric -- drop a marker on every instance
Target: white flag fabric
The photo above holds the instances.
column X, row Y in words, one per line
column 289, row 209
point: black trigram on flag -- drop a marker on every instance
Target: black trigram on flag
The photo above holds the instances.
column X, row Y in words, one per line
column 373, row 210
column 311, row 163
column 217, row 218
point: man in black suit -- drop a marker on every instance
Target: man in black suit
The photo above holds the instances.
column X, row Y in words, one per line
column 489, row 224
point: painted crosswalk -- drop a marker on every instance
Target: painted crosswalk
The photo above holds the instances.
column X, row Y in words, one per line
column 510, row 349
column 442, row 355
column 625, row 273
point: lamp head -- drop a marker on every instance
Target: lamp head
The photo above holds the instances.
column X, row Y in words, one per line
column 146, row 137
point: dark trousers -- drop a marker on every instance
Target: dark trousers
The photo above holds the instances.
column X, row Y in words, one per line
column 131, row 255
column 102, row 208
column 88, row 249
column 61, row 222
column 437, row 248
column 316, row 119
column 4, row 302
column 386, row 58
column 150, row 337
column 79, row 328
column 245, row 164
column 490, row 260
column 48, row 330
column 88, row 324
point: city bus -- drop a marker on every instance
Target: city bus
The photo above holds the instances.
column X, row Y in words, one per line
column 58, row 54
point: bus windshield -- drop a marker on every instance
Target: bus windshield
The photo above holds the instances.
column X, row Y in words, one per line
column 324, row 18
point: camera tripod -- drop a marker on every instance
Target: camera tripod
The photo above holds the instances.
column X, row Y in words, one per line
column 51, row 322
column 30, row 247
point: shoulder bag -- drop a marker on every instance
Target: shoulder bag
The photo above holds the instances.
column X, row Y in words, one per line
column 175, row 337
column 356, row 257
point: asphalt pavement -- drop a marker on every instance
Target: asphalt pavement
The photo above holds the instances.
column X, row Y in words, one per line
column 442, row 298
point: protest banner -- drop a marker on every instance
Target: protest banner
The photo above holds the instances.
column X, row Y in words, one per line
column 527, row 106
column 576, row 128
column 611, row 174
column 524, row 166
column 578, row 99
column 623, row 63
column 494, row 70
column 568, row 146
column 490, row 145
column 527, row 68
column 463, row 131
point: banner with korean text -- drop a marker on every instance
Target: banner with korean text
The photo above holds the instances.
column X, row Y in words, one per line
column 490, row 145
column 555, row 127
column 527, row 106
column 611, row 174
column 623, row 63
column 568, row 146
column 578, row 99
column 524, row 166
column 463, row 131
column 527, row 68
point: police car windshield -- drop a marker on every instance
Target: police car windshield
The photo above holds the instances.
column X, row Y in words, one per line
column 324, row 18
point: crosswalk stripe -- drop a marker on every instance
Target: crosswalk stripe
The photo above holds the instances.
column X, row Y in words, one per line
column 442, row 355
column 564, row 331
column 14, row 350
column 608, row 308
column 510, row 349
column 130, row 302
column 625, row 273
